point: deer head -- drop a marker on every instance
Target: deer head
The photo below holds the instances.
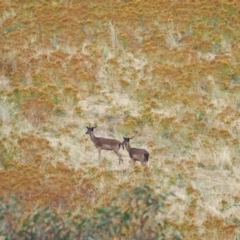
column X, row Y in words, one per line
column 90, row 129
column 126, row 141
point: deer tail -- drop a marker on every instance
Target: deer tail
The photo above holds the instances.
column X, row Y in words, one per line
column 146, row 156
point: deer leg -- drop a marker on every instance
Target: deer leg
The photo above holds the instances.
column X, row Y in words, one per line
column 99, row 154
column 133, row 162
column 120, row 160
column 141, row 160
column 119, row 155
column 143, row 163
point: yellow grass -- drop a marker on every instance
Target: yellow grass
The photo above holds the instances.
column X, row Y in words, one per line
column 166, row 72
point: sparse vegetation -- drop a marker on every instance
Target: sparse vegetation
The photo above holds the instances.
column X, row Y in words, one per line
column 135, row 214
column 165, row 71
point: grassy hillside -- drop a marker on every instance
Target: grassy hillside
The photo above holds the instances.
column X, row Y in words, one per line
column 164, row 71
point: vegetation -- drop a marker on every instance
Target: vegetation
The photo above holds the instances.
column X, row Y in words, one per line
column 164, row 71
column 134, row 215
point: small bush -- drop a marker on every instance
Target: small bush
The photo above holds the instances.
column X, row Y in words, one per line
column 136, row 214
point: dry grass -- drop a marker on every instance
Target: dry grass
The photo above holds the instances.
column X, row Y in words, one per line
column 166, row 73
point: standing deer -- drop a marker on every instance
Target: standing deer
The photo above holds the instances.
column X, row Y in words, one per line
column 135, row 154
column 105, row 144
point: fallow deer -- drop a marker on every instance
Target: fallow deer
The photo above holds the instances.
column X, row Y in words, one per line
column 135, row 154
column 105, row 144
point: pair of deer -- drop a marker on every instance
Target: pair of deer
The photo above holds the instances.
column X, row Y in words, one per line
column 135, row 154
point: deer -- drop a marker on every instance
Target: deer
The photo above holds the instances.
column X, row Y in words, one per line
column 105, row 144
column 135, row 154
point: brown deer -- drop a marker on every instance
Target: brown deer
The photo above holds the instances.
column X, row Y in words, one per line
column 105, row 144
column 136, row 154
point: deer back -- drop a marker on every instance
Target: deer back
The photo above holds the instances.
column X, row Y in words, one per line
column 106, row 143
column 136, row 153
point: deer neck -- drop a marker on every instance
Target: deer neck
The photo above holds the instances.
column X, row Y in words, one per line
column 128, row 147
column 93, row 138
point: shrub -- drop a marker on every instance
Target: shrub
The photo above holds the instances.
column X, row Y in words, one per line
column 136, row 214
